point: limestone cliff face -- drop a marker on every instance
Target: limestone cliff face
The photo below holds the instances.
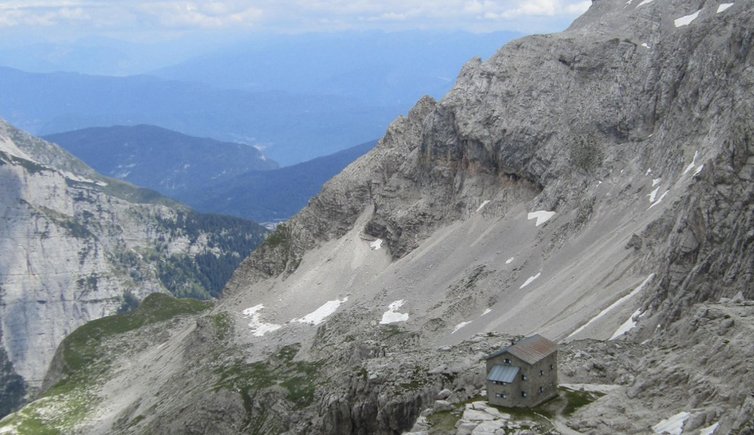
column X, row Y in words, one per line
column 72, row 243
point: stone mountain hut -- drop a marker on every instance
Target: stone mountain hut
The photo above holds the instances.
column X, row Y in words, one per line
column 523, row 374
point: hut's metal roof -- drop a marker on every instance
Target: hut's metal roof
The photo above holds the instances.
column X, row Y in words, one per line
column 530, row 349
column 503, row 373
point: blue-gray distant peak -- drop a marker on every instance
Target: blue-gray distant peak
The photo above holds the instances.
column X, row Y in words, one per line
column 169, row 162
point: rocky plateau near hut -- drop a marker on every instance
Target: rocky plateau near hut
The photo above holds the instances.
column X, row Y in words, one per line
column 593, row 186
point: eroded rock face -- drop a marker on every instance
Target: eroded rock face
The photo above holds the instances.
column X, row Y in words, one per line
column 694, row 365
column 623, row 89
column 73, row 243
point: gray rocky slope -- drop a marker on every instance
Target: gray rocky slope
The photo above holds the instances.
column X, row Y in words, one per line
column 73, row 243
column 594, row 186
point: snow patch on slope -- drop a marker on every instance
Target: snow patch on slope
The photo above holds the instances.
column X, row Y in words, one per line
column 482, row 206
column 628, row 325
column 530, row 280
column 392, row 315
column 541, row 216
column 672, row 425
column 320, row 314
column 709, row 430
column 615, row 304
column 259, row 328
column 686, row 20
column 692, row 165
column 653, row 195
column 459, row 326
column 723, row 7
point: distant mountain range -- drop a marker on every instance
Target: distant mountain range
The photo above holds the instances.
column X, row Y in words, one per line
column 101, row 55
column 297, row 97
column 291, row 128
column 209, row 175
column 382, row 68
column 169, row 162
column 275, row 195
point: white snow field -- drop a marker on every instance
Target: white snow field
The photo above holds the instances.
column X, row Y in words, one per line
column 530, row 280
column 672, row 425
column 686, row 20
column 541, row 216
column 259, row 328
column 392, row 315
column 709, row 430
column 615, row 304
column 628, row 325
column 482, row 206
column 459, row 326
column 320, row 314
column 723, row 7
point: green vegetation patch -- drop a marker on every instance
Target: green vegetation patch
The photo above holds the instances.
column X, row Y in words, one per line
column 129, row 303
column 391, row 330
column 28, row 423
column 576, row 399
column 179, row 274
column 281, row 237
column 223, row 325
column 417, row 380
column 80, row 350
column 298, row 378
column 566, row 403
column 82, row 359
column 443, row 422
column 229, row 241
column 51, row 415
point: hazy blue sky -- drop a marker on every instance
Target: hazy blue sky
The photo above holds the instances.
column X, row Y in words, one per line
column 150, row 20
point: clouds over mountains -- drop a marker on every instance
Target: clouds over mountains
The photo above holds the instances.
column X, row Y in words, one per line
column 290, row 15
